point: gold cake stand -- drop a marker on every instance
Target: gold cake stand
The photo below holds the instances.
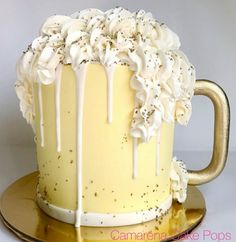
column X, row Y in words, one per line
column 23, row 217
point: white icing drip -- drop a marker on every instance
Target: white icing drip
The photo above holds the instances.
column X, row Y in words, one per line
column 58, row 104
column 110, row 74
column 135, row 157
column 158, row 151
column 80, row 75
column 41, row 124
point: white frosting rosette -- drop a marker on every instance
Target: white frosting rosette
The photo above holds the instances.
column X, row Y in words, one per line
column 179, row 180
column 163, row 78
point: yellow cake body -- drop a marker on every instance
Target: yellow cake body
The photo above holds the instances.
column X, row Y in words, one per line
column 108, row 185
column 102, row 90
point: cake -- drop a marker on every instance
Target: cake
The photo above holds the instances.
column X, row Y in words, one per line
column 102, row 92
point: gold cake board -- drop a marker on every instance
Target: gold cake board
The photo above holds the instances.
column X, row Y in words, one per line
column 22, row 216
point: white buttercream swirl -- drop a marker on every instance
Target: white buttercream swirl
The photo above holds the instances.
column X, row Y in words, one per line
column 179, row 180
column 163, row 78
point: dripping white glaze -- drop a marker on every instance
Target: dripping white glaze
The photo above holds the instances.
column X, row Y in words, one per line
column 148, row 47
column 135, row 157
column 58, row 104
column 41, row 119
column 80, row 76
column 158, row 150
column 110, row 75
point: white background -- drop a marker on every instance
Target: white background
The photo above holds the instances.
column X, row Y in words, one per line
column 207, row 30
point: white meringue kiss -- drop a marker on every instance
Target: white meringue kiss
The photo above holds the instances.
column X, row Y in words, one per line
column 53, row 24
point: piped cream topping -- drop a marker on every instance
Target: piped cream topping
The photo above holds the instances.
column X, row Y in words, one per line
column 163, row 78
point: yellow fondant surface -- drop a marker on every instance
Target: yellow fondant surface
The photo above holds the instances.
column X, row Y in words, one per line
column 108, row 186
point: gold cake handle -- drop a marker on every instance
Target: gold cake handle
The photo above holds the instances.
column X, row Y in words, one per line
column 221, row 132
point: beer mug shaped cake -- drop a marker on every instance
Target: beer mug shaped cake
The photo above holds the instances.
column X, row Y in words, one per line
column 103, row 92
